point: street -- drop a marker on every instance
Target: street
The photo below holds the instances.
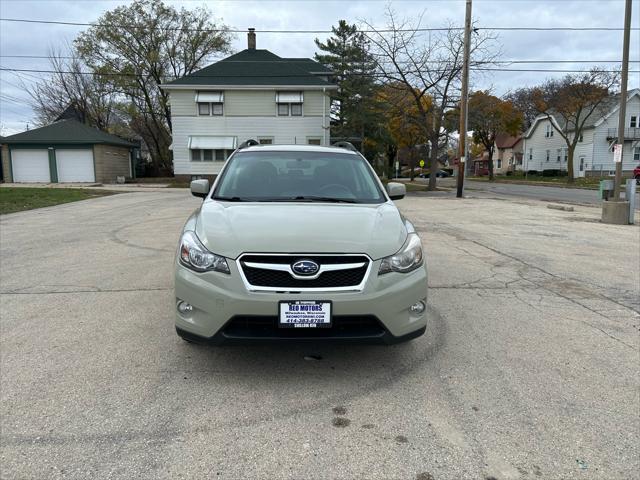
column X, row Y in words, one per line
column 529, row 367
column 533, row 192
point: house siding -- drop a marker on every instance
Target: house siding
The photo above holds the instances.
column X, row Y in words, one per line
column 595, row 148
column 506, row 154
column 286, row 130
column 248, row 103
column 111, row 162
column 540, row 144
column 602, row 153
column 248, row 114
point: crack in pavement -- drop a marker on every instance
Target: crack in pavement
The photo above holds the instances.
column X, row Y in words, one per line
column 547, row 285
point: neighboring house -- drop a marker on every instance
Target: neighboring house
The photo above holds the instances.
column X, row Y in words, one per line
column 66, row 151
column 544, row 148
column 507, row 156
column 253, row 94
column 480, row 165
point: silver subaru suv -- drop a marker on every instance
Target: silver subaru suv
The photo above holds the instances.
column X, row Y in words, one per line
column 299, row 242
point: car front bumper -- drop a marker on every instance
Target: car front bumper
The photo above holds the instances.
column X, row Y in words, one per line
column 224, row 311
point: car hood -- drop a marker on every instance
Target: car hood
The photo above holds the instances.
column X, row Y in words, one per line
column 230, row 229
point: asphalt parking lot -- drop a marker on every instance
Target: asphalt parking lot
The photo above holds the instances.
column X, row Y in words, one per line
column 530, row 367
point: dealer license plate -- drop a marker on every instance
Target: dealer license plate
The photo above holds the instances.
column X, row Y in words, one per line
column 305, row 314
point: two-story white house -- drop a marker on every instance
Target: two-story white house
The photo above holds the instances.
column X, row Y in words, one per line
column 544, row 148
column 253, row 94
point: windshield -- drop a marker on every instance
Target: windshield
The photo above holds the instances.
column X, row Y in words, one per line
column 272, row 176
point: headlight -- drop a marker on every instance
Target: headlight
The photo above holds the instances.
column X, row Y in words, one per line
column 195, row 256
column 408, row 258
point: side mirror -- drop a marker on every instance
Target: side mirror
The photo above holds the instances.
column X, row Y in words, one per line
column 200, row 188
column 396, row 190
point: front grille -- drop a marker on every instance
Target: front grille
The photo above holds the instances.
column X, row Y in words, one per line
column 264, row 277
column 343, row 326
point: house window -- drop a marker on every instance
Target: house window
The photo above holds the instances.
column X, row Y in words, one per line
column 314, row 141
column 548, row 155
column 289, row 103
column 265, row 140
column 499, row 163
column 636, row 154
column 531, row 154
column 566, row 155
column 203, row 109
column 581, row 138
column 559, row 155
column 549, row 132
column 296, row 109
column 634, row 121
column 208, row 155
column 206, row 109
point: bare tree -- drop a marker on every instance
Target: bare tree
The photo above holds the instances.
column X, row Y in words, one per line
column 427, row 65
column 69, row 86
column 140, row 46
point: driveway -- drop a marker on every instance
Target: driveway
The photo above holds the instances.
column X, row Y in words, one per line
column 529, row 368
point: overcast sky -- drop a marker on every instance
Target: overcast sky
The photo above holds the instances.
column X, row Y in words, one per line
column 38, row 39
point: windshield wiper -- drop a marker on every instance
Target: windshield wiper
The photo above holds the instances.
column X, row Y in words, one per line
column 299, row 198
column 313, row 198
column 230, row 199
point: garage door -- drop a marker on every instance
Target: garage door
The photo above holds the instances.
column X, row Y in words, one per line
column 30, row 166
column 75, row 166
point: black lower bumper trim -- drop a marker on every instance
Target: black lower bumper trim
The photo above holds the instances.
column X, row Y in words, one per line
column 245, row 338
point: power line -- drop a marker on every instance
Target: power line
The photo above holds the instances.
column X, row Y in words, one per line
column 232, row 30
column 6, row 69
column 63, row 57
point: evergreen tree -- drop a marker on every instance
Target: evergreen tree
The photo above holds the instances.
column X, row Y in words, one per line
column 346, row 53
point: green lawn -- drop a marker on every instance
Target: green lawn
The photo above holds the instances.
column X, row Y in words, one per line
column 590, row 182
column 26, row 198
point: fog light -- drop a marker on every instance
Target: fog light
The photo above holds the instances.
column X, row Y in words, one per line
column 184, row 307
column 417, row 308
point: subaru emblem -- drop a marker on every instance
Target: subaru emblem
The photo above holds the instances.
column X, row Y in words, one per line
column 305, row 267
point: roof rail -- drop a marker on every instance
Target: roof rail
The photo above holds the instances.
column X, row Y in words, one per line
column 347, row 145
column 248, row 143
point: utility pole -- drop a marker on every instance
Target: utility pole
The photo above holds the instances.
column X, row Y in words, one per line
column 464, row 101
column 623, row 98
column 616, row 211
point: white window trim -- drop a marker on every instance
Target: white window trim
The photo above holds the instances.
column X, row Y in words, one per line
column 633, row 119
column 210, row 114
column 214, row 151
column 289, row 110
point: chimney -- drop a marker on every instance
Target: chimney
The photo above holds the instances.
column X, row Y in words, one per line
column 251, row 39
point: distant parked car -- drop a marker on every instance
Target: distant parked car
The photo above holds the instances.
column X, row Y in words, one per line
column 636, row 174
column 439, row 174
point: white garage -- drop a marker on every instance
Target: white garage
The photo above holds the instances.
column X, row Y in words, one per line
column 75, row 165
column 67, row 151
column 30, row 165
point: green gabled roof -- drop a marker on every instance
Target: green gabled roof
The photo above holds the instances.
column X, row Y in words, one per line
column 69, row 132
column 257, row 67
column 310, row 65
